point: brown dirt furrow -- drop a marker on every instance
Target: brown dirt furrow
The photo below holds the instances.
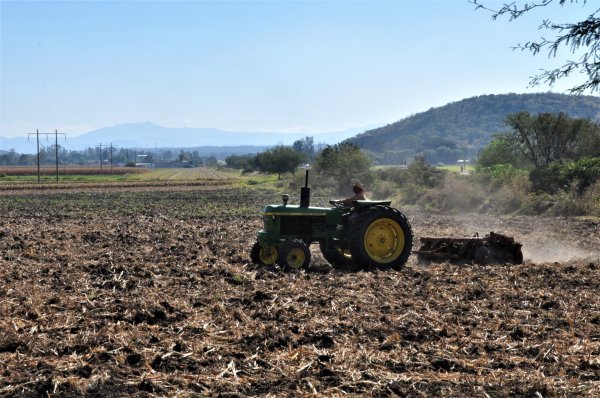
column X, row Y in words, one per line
column 152, row 294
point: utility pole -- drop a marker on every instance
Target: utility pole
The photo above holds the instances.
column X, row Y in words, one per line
column 56, row 151
column 37, row 136
column 110, row 153
column 111, row 162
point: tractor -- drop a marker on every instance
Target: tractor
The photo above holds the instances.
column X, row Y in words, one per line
column 365, row 235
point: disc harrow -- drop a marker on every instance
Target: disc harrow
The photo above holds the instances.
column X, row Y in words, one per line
column 492, row 248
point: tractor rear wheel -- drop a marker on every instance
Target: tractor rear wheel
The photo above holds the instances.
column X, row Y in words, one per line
column 381, row 237
column 338, row 258
column 263, row 255
column 293, row 255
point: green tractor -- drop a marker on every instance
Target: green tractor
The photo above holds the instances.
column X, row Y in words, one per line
column 367, row 234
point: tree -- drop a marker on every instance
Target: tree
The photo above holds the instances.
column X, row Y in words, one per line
column 208, row 160
column 584, row 35
column 547, row 137
column 10, row 158
column 500, row 151
column 420, row 173
column 240, row 162
column 27, row 160
column 305, row 145
column 589, row 142
column 280, row 159
column 344, row 161
column 184, row 156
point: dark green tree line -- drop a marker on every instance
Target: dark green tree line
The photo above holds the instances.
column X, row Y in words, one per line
column 556, row 149
column 280, row 159
column 547, row 138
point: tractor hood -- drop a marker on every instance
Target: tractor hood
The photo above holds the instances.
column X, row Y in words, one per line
column 293, row 210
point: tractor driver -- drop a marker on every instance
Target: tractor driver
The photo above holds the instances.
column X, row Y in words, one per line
column 359, row 194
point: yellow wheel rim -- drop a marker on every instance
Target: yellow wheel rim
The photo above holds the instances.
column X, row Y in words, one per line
column 295, row 257
column 384, row 240
column 268, row 255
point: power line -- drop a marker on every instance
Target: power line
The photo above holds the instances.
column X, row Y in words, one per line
column 111, row 147
column 37, row 136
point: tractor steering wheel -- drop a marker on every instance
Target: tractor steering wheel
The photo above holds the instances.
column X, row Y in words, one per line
column 338, row 205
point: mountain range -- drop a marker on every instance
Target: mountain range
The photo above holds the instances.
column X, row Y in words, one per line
column 149, row 136
column 444, row 134
column 460, row 129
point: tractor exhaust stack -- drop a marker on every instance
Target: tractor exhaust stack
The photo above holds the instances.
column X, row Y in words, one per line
column 305, row 193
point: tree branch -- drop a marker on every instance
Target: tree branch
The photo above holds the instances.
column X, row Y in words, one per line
column 574, row 36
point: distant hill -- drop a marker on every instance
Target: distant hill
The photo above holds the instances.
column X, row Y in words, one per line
column 459, row 129
column 148, row 135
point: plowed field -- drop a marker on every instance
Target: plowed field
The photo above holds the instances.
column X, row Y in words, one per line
column 148, row 291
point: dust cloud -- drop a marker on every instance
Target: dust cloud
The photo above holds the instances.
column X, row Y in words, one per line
column 543, row 239
column 555, row 251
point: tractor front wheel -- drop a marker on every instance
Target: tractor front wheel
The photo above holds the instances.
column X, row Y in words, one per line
column 263, row 255
column 294, row 255
column 381, row 237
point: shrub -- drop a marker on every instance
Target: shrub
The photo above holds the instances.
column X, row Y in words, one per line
column 320, row 183
column 568, row 203
column 500, row 174
column 510, row 196
column 410, row 193
column 585, row 171
column 556, row 177
column 590, row 200
column 548, row 179
column 397, row 175
column 505, row 201
column 536, row 203
column 457, row 193
column 384, row 189
column 338, row 186
column 424, row 175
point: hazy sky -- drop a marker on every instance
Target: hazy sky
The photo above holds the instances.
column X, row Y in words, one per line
column 255, row 66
